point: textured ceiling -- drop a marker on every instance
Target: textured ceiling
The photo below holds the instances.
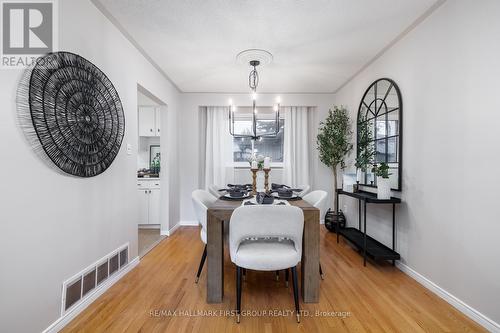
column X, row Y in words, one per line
column 317, row 44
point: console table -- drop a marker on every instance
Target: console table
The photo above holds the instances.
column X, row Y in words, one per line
column 368, row 245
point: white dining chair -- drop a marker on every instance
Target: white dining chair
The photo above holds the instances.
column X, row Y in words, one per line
column 202, row 200
column 305, row 189
column 215, row 190
column 266, row 238
column 317, row 199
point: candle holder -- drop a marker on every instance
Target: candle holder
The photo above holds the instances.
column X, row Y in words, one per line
column 254, row 181
column 266, row 179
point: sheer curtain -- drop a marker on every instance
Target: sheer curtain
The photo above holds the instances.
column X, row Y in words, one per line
column 298, row 146
column 218, row 166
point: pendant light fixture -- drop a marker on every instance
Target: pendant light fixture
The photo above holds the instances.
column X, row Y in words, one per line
column 253, row 82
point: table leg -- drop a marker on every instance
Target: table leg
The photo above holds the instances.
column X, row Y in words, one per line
column 310, row 257
column 364, row 233
column 215, row 261
column 359, row 214
column 393, row 230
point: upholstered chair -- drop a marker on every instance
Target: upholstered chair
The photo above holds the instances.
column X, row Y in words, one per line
column 305, row 190
column 214, row 190
column 202, row 200
column 266, row 238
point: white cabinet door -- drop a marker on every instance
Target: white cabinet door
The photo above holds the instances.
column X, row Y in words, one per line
column 154, row 206
column 157, row 121
column 143, row 202
column 147, row 121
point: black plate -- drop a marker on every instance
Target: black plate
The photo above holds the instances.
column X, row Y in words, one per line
column 292, row 198
column 230, row 198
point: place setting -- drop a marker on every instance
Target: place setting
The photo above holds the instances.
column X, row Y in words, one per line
column 279, row 192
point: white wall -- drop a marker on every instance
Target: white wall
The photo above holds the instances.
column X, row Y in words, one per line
column 190, row 139
column 448, row 70
column 51, row 225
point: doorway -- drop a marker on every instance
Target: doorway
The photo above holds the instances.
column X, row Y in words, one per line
column 149, row 171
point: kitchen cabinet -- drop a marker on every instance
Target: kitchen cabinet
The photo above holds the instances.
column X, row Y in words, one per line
column 154, row 206
column 148, row 199
column 149, row 121
column 143, row 202
column 157, row 121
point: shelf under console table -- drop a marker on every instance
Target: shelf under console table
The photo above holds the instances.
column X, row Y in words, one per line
column 369, row 246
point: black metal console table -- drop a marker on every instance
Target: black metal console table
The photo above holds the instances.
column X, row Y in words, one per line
column 370, row 246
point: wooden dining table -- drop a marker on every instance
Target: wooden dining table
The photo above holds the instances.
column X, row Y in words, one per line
column 222, row 210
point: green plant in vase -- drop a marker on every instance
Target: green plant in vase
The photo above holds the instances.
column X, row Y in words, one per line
column 382, row 170
column 383, row 183
column 334, row 142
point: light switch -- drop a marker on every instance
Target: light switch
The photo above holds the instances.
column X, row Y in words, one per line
column 129, row 149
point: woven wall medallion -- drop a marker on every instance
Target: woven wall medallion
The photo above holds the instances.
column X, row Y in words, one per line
column 76, row 113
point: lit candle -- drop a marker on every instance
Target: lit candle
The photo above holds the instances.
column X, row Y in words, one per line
column 267, row 163
column 254, row 165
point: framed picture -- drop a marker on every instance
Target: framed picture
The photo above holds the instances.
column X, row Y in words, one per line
column 154, row 151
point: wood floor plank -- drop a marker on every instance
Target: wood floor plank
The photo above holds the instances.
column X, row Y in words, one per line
column 160, row 296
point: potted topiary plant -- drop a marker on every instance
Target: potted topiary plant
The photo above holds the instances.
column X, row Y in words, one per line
column 383, row 185
column 365, row 149
column 334, row 143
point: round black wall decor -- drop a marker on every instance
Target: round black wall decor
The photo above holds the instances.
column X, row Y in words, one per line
column 76, row 113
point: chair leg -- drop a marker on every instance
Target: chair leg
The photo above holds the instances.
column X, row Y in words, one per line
column 277, row 275
column 296, row 292
column 321, row 272
column 286, row 277
column 238, row 293
column 202, row 262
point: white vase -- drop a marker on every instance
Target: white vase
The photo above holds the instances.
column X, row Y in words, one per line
column 360, row 175
column 383, row 188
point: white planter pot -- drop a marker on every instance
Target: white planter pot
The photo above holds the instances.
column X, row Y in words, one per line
column 383, row 188
column 360, row 176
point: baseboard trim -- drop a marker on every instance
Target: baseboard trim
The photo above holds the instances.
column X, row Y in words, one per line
column 174, row 229
column 189, row 223
column 64, row 320
column 164, row 232
column 149, row 226
column 461, row 306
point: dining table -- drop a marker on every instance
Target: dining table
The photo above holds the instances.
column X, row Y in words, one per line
column 222, row 210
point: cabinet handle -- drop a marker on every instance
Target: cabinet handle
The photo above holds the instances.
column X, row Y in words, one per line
column 158, row 130
column 151, row 130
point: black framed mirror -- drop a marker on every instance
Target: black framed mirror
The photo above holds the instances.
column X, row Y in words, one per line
column 379, row 132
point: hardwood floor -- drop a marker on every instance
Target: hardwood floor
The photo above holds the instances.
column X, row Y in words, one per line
column 353, row 298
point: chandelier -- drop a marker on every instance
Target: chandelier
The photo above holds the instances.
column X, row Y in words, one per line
column 253, row 82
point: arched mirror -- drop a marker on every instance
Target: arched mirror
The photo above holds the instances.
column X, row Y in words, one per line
column 379, row 132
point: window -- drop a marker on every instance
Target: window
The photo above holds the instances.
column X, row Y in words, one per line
column 242, row 147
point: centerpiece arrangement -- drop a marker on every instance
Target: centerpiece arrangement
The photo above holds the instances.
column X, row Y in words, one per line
column 260, row 163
